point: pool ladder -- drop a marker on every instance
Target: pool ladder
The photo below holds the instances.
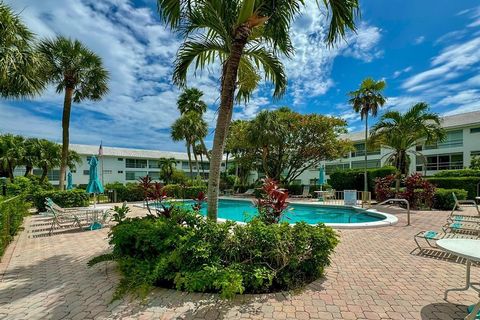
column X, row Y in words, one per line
column 399, row 201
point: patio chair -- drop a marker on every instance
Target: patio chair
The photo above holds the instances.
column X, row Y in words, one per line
column 431, row 237
column 463, row 227
column 330, row 195
column 305, row 193
column 462, row 203
column 473, row 312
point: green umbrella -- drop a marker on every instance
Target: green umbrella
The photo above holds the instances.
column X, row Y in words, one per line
column 94, row 185
column 69, row 181
column 321, row 176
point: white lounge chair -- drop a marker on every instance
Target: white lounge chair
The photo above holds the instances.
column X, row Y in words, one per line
column 473, row 312
column 247, row 193
column 464, row 203
column 305, row 193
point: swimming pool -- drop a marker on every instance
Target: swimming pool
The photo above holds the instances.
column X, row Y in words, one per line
column 242, row 210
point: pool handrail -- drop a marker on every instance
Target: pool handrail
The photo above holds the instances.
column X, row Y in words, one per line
column 399, row 200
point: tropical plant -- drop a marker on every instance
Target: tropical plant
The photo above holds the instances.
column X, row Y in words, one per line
column 475, row 163
column 241, row 36
column 189, row 128
column 367, row 100
column 167, row 168
column 20, row 64
column 120, row 212
column 12, row 153
column 79, row 73
column 400, row 134
column 272, row 202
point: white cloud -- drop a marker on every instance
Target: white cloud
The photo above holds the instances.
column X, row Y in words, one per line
column 419, row 40
column 397, row 73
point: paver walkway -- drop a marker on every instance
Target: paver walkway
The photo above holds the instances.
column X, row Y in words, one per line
column 373, row 276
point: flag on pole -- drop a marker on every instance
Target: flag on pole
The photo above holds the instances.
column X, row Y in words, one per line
column 100, row 150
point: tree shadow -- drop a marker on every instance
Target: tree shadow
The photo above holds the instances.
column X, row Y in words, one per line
column 445, row 310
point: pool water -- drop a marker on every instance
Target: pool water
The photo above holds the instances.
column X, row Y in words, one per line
column 243, row 211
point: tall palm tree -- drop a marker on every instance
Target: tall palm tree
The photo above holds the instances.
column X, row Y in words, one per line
column 50, row 156
column 367, row 100
column 20, row 64
column 191, row 100
column 12, row 152
column 182, row 130
column 32, row 155
column 79, row 73
column 401, row 132
column 242, row 36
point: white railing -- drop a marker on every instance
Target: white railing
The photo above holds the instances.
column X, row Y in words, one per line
column 333, row 197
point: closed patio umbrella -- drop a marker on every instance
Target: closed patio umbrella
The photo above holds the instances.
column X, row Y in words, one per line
column 94, row 185
column 321, row 176
column 69, row 181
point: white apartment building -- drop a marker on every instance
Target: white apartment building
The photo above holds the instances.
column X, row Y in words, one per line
column 127, row 165
column 462, row 142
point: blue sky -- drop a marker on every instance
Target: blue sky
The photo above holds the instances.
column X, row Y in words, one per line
column 425, row 50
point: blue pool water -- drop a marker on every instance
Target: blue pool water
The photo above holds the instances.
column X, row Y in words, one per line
column 243, row 211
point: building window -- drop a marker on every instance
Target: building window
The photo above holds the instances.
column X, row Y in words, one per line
column 86, row 172
column 134, row 175
column 73, row 171
column 120, row 171
column 474, row 153
column 331, row 168
column 370, row 164
column 155, row 164
column 120, row 159
column 419, row 147
column 107, row 171
column 475, row 130
column 185, row 165
column 440, row 162
column 453, row 139
column 360, row 150
column 155, row 175
column 136, row 163
column 89, row 158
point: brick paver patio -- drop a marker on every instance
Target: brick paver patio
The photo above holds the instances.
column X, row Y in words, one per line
column 373, row 276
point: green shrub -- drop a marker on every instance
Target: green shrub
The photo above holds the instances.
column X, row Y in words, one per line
column 183, row 192
column 194, row 254
column 129, row 192
column 27, row 186
column 12, row 211
column 458, row 173
column 352, row 179
column 443, row 199
column 467, row 183
column 65, row 198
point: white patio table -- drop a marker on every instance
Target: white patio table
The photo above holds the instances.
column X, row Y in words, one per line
column 464, row 248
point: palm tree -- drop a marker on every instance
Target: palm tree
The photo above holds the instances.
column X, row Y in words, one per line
column 79, row 73
column 401, row 132
column 191, row 100
column 242, row 36
column 12, row 152
column 50, row 157
column 182, row 130
column 167, row 167
column 32, row 155
column 367, row 100
column 20, row 64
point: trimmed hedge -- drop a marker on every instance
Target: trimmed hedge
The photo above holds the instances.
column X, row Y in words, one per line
column 458, row 173
column 12, row 211
column 466, row 183
column 65, row 199
column 352, row 179
column 443, row 199
column 129, row 192
column 183, row 192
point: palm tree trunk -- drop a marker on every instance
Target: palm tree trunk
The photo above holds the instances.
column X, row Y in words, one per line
column 226, row 164
column 201, row 163
column 365, row 178
column 196, row 162
column 67, row 106
column 190, row 160
column 44, row 174
column 11, row 168
column 28, row 170
column 229, row 78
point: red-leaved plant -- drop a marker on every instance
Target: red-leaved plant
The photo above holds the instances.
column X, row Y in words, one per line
column 418, row 191
column 199, row 201
column 383, row 188
column 154, row 192
column 272, row 202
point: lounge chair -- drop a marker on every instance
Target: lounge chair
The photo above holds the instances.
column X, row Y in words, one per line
column 247, row 193
column 463, row 227
column 462, row 203
column 473, row 312
column 305, row 193
column 431, row 236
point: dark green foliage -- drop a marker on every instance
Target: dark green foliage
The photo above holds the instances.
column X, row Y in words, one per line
column 467, row 183
column 65, row 198
column 352, row 179
column 443, row 199
column 458, row 173
column 27, row 186
column 129, row 192
column 183, row 192
column 191, row 253
column 12, row 211
column 120, row 212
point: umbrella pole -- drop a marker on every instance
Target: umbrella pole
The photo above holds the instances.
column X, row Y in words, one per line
column 94, row 200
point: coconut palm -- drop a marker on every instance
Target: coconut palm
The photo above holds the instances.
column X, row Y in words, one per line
column 191, row 100
column 19, row 62
column 242, row 37
column 183, row 129
column 79, row 73
column 400, row 134
column 12, row 152
column 167, row 167
column 32, row 155
column 367, row 100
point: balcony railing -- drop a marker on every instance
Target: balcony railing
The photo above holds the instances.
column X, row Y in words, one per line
column 441, row 166
column 447, row 144
column 361, row 153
